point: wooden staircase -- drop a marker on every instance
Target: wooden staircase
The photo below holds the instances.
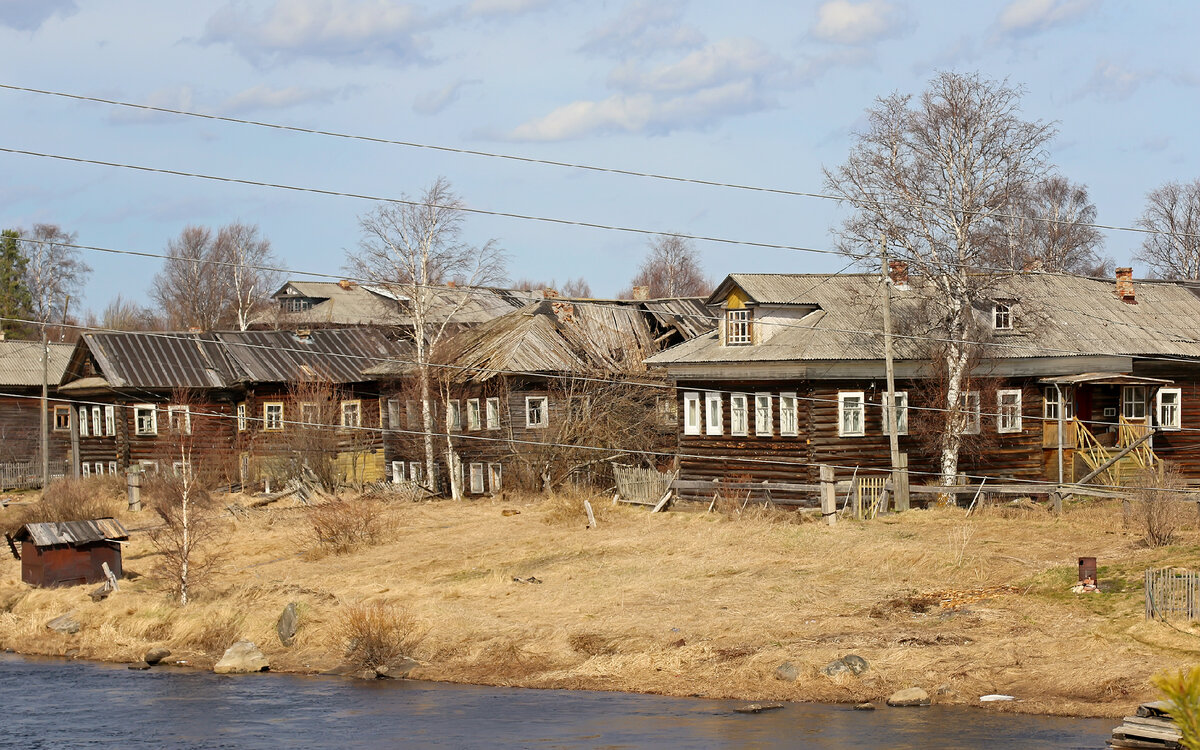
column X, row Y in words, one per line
column 1125, row 470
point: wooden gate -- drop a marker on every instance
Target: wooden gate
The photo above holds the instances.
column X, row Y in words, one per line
column 1172, row 591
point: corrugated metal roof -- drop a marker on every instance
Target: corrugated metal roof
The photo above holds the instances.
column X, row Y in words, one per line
column 1054, row 315
column 336, row 354
column 156, row 360
column 383, row 304
column 21, row 362
column 72, row 532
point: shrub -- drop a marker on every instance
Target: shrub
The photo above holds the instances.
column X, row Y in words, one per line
column 1158, row 506
column 74, row 500
column 342, row 526
column 377, row 634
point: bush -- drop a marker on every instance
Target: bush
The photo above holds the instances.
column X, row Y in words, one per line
column 377, row 634
column 1159, row 506
column 342, row 526
column 74, row 500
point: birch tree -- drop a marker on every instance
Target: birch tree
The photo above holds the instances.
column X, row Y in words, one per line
column 245, row 258
column 671, row 269
column 1050, row 230
column 1172, row 215
column 54, row 271
column 415, row 248
column 937, row 176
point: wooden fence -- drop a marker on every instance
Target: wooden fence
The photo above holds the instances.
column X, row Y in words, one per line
column 1172, row 591
column 26, row 475
column 641, row 486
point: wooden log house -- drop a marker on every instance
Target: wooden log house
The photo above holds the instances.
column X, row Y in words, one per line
column 20, row 412
column 794, row 377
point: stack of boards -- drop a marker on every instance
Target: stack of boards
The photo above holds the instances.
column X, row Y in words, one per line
column 1150, row 728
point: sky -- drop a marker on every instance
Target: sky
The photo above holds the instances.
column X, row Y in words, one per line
column 763, row 94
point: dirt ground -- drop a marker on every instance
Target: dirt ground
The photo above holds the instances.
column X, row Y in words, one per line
column 677, row 603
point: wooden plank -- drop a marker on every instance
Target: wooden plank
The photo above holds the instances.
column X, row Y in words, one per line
column 591, row 516
column 662, row 503
column 828, row 496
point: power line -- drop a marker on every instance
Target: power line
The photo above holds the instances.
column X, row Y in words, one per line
column 573, row 165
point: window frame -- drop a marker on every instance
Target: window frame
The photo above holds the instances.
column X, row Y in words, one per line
column 1002, row 316
column 398, row 471
column 1009, row 423
column 764, row 422
column 544, row 422
column 184, row 409
column 356, row 405
column 739, row 419
column 416, row 472
column 112, row 467
column 83, row 421
column 137, row 419
column 974, row 425
column 1127, row 402
column 495, row 477
column 110, row 420
column 242, row 416
column 789, row 413
column 85, row 469
column 476, row 473
column 492, row 413
column 1177, row 407
column 691, row 408
column 97, row 422
column 901, row 413
column 454, row 421
column 98, row 468
column 861, row 408
column 1051, row 405
column 474, row 415
column 738, row 330
column 393, row 413
column 60, row 410
column 270, row 424
column 713, row 426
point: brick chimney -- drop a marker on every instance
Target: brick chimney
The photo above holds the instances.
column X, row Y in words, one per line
column 549, row 294
column 641, row 292
column 898, row 271
column 451, row 284
column 1125, row 286
column 345, row 284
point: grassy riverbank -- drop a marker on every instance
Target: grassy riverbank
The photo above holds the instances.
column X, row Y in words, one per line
column 680, row 603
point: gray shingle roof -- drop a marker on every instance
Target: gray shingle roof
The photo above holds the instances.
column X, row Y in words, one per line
column 159, row 360
column 336, row 354
column 21, row 362
column 1054, row 315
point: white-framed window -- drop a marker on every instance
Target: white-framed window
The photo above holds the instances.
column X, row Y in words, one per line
column 691, row 413
column 145, row 419
column 714, row 422
column 494, row 477
column 181, row 468
column 98, row 468
column 763, row 422
column 309, row 416
column 62, row 418
column 110, row 420
column 789, row 420
column 397, row 472
column 737, row 327
column 1133, row 402
column 179, row 419
column 112, row 467
column 352, row 413
column 97, row 424
column 83, row 421
column 241, row 416
column 148, row 466
column 416, row 472
column 739, row 418
column 851, row 413
column 476, row 479
column 474, row 417
column 1008, row 410
column 1168, row 408
column 85, row 469
column 393, row 412
column 1002, row 316
column 493, row 413
column 537, row 411
column 273, row 415
column 971, row 405
column 901, row 413
column 1052, row 403
column 412, row 415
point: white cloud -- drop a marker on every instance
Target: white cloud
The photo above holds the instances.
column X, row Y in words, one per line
column 643, row 28
column 329, row 29
column 432, row 102
column 171, row 97
column 718, row 63
column 1029, row 16
column 500, row 8
column 264, row 97
column 1114, row 81
column 29, row 15
column 847, row 22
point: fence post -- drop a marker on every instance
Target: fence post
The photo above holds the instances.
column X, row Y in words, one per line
column 828, row 495
column 133, row 485
column 901, row 481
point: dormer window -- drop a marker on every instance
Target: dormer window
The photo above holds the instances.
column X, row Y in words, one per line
column 295, row 304
column 737, row 327
column 1002, row 316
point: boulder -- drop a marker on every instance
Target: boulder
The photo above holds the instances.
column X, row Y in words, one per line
column 289, row 620
column 855, row 663
column 913, row 696
column 242, row 657
column 397, row 669
column 787, row 672
column 64, row 624
column 155, row 655
column 834, row 668
column 864, row 706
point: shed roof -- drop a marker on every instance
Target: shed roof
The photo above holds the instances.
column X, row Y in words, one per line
column 336, row 354
column 21, row 362
column 72, row 532
column 143, row 359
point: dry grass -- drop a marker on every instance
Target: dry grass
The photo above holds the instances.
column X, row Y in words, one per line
column 376, row 634
column 340, row 526
column 678, row 603
column 72, row 500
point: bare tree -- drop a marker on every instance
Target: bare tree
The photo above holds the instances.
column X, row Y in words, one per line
column 1172, row 250
column 415, row 248
column 937, row 177
column 246, row 258
column 1049, row 230
column 577, row 288
column 671, row 269
column 122, row 314
column 53, row 271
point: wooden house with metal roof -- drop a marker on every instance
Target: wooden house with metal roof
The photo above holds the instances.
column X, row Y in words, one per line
column 70, row 553
column 794, row 378
column 21, row 379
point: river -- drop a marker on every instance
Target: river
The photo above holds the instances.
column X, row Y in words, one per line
column 69, row 704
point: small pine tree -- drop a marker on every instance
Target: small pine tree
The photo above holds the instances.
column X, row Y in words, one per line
column 15, row 300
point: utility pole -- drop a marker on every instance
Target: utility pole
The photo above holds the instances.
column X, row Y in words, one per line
column 889, row 404
column 45, row 408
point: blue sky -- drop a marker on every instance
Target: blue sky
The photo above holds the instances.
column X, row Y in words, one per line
column 759, row 93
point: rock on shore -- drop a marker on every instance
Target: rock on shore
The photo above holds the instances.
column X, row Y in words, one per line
column 242, row 657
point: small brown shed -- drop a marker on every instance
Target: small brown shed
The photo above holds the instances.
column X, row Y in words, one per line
column 71, row 552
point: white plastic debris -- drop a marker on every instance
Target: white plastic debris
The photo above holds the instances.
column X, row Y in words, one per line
column 995, row 697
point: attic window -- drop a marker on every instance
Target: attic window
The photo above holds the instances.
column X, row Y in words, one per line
column 295, row 304
column 1002, row 316
column 737, row 327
